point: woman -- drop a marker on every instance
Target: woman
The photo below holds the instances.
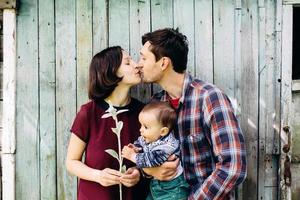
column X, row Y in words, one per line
column 111, row 75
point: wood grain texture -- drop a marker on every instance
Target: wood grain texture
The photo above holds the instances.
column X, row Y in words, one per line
column 8, row 107
column 27, row 109
column 204, row 40
column 47, row 130
column 65, row 91
column 139, row 25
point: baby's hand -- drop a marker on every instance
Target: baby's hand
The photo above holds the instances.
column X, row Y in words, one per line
column 128, row 153
column 136, row 149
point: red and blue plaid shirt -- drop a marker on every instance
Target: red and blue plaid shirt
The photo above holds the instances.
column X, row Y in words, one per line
column 212, row 144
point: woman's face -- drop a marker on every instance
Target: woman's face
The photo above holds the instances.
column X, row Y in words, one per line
column 128, row 71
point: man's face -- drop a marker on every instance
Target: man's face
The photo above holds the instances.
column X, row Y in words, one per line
column 150, row 69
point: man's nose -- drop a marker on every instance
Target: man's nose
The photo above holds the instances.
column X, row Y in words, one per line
column 140, row 62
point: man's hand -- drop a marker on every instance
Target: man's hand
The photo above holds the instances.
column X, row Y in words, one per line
column 131, row 177
column 166, row 171
column 129, row 153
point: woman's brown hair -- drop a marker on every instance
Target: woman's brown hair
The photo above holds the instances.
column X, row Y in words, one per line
column 103, row 77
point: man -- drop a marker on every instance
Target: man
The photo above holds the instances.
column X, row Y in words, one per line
column 212, row 144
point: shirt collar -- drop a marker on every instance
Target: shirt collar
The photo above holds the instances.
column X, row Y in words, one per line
column 186, row 86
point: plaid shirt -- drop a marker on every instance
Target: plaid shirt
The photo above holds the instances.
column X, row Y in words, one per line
column 212, row 143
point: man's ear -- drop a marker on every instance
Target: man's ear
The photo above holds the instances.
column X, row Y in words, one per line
column 165, row 62
column 164, row 131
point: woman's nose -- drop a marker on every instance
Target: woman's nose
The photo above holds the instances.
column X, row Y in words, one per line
column 134, row 63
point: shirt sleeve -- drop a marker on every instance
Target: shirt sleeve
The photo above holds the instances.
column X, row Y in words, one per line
column 228, row 147
column 139, row 142
column 80, row 125
column 151, row 159
column 157, row 155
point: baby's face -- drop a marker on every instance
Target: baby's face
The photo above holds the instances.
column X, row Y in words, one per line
column 150, row 126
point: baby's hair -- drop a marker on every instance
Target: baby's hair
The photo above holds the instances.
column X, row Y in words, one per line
column 165, row 114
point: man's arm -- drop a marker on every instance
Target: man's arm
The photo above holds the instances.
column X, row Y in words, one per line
column 228, row 147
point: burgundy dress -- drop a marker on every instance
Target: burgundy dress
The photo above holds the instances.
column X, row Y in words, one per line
column 97, row 134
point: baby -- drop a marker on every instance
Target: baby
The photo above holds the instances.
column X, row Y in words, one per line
column 156, row 143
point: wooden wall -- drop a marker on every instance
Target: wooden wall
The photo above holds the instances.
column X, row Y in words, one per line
column 234, row 44
column 1, row 96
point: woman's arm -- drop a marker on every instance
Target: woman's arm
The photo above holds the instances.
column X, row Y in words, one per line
column 75, row 166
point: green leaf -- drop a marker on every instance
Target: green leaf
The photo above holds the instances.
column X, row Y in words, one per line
column 120, row 126
column 123, row 170
column 106, row 115
column 113, row 153
column 121, row 111
column 116, row 131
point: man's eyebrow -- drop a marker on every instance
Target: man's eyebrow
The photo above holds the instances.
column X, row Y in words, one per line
column 141, row 53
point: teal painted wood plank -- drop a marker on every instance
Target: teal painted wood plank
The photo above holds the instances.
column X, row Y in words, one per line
column 184, row 17
column 238, row 68
column 271, row 188
column 271, row 172
column 248, row 79
column 65, row 91
column 262, row 103
column 270, row 93
column 84, row 48
column 269, row 119
column 269, row 77
column 287, row 98
column 162, row 16
column 291, row 2
column 278, row 63
column 27, row 109
column 100, row 25
column 204, row 40
column 270, row 193
column 119, row 24
column 47, row 99
column 224, row 68
column 139, row 25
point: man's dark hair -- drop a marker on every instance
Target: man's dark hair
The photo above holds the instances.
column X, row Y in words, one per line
column 169, row 42
column 103, row 77
column 164, row 112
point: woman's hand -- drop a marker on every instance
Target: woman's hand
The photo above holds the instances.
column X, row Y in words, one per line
column 107, row 177
column 131, row 177
column 166, row 171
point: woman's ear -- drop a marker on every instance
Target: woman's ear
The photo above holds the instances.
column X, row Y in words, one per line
column 164, row 131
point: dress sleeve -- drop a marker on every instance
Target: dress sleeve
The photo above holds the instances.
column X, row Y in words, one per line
column 80, row 125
